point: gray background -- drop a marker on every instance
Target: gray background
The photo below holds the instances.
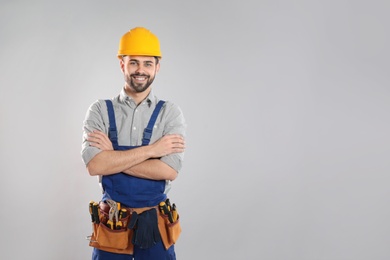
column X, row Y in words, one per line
column 287, row 105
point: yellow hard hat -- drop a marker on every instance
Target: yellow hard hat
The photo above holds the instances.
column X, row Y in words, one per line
column 139, row 41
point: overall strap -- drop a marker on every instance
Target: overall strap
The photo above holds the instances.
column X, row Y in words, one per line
column 149, row 128
column 112, row 133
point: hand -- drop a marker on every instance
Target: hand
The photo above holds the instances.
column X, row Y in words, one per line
column 168, row 144
column 100, row 140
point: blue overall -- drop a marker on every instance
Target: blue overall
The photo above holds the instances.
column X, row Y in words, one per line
column 134, row 192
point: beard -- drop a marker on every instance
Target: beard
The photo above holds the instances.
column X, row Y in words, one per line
column 139, row 87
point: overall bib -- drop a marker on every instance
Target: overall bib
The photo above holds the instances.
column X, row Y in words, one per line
column 134, row 192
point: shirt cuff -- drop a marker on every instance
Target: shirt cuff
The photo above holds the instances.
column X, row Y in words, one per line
column 173, row 160
column 89, row 153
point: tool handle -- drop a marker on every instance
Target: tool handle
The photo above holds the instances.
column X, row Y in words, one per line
column 118, row 225
column 91, row 210
column 123, row 213
column 110, row 224
column 168, row 203
column 164, row 209
column 95, row 210
column 174, row 212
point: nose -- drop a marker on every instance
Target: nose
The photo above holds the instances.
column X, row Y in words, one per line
column 140, row 68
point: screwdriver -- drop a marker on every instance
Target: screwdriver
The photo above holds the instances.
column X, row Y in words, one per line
column 174, row 212
column 161, row 207
column 91, row 210
column 95, row 211
column 168, row 204
column 122, row 215
column 164, row 209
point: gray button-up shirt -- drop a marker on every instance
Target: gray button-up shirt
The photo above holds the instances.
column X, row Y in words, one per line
column 131, row 120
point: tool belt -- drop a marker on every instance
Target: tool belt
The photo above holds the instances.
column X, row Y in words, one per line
column 117, row 230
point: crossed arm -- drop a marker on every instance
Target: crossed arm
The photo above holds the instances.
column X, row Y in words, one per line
column 140, row 162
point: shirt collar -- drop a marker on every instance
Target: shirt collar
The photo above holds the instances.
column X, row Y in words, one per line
column 150, row 99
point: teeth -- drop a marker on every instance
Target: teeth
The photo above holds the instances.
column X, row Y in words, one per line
column 140, row 78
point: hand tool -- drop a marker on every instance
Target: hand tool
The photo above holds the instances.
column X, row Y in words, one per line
column 161, row 207
column 91, row 210
column 164, row 209
column 112, row 212
column 116, row 214
column 168, row 203
column 110, row 222
column 122, row 214
column 174, row 212
column 118, row 225
column 95, row 210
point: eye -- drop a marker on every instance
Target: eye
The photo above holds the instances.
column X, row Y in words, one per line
column 133, row 63
column 148, row 64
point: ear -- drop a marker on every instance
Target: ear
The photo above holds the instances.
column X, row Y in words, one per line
column 158, row 67
column 122, row 65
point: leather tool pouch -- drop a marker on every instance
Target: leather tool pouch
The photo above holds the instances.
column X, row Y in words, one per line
column 120, row 241
column 111, row 240
column 170, row 232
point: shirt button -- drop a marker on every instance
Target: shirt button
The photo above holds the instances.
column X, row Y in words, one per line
column 134, row 128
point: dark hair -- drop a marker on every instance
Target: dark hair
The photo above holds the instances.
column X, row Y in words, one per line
column 155, row 57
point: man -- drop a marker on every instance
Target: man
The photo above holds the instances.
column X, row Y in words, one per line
column 135, row 144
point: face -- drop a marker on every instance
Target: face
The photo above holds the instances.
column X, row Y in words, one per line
column 139, row 72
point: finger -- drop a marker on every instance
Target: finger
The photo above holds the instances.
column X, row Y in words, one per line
column 175, row 139
column 178, row 150
column 94, row 144
column 93, row 136
column 98, row 134
column 101, row 146
column 98, row 140
column 104, row 138
column 93, row 139
column 174, row 136
column 178, row 142
column 178, row 145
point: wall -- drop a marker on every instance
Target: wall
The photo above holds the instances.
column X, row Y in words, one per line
column 287, row 105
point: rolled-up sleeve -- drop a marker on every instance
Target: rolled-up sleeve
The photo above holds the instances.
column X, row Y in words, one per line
column 93, row 121
column 175, row 124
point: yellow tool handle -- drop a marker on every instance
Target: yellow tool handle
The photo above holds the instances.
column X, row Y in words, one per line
column 110, row 224
column 118, row 225
column 174, row 212
column 164, row 209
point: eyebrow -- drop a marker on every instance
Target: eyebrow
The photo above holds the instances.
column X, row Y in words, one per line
column 147, row 61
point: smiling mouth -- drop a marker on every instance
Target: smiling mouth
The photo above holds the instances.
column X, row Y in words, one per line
column 140, row 78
